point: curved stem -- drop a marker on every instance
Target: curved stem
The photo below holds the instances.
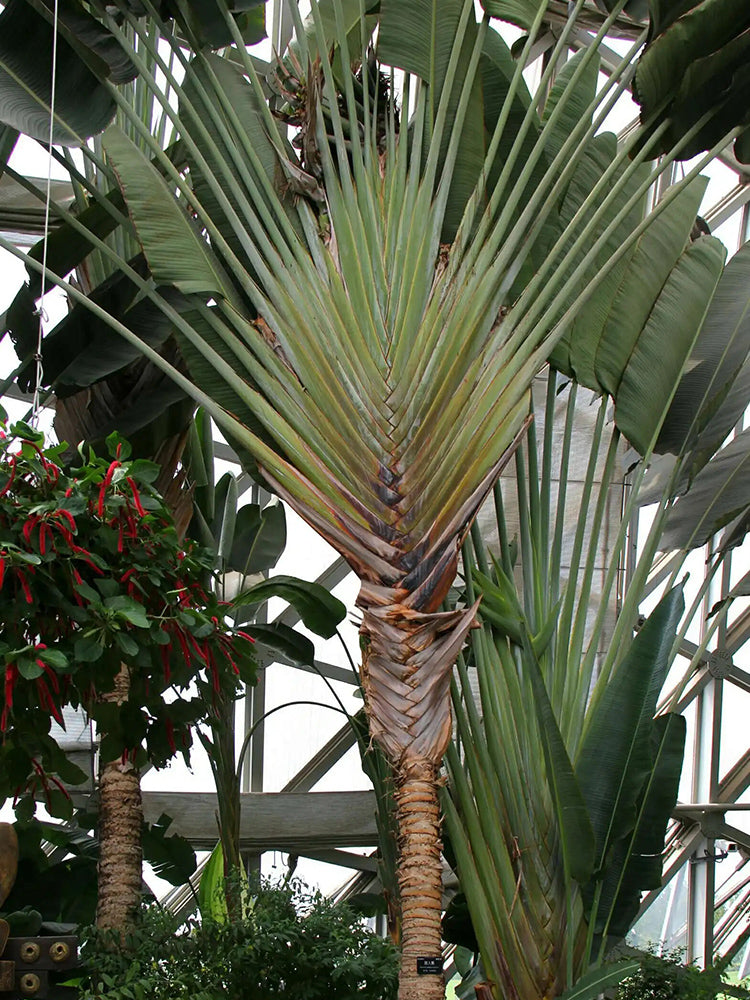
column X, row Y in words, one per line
column 277, row 708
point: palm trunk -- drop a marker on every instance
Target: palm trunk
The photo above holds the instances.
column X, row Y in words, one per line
column 406, row 669
column 420, row 879
column 120, row 824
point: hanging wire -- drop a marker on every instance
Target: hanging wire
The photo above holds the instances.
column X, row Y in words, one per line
column 40, row 312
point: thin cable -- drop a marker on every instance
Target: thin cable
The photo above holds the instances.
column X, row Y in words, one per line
column 39, row 373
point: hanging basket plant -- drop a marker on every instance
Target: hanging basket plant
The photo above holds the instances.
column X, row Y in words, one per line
column 94, row 579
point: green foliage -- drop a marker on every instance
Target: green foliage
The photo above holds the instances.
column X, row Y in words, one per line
column 292, row 944
column 57, row 880
column 94, row 577
column 692, row 75
column 59, row 884
column 665, row 977
column 246, row 542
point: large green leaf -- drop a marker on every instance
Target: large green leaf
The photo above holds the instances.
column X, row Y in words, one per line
column 419, row 38
column 637, row 860
column 666, row 341
column 614, row 759
column 519, row 12
column 695, row 64
column 26, row 43
column 205, row 20
column 627, row 341
column 319, row 610
column 176, row 252
column 233, row 125
column 67, row 247
column 225, row 515
column 601, row 340
column 637, row 10
column 350, row 12
column 82, row 349
column 719, row 494
column 259, row 538
column 595, row 159
column 211, row 899
column 713, row 391
column 171, row 857
column 278, row 643
column 575, row 100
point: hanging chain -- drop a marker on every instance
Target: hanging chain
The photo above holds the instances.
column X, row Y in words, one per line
column 40, row 312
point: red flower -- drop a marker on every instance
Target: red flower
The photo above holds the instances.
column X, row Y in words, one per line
column 29, row 527
column 11, row 676
column 105, row 484
column 136, row 496
column 24, row 586
column 12, row 462
column 66, row 515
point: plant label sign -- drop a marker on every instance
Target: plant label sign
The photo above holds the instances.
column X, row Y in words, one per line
column 430, row 966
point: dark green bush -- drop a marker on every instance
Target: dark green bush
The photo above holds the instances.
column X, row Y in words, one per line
column 293, row 944
column 666, row 977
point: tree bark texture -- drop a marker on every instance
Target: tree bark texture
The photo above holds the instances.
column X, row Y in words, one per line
column 406, row 669
column 120, row 824
column 420, row 879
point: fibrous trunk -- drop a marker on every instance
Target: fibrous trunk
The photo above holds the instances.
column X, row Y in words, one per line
column 406, row 668
column 120, row 824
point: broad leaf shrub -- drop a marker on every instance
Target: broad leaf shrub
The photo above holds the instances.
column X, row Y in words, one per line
column 666, row 977
column 93, row 578
column 292, row 944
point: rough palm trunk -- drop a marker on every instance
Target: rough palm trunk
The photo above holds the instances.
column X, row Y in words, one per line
column 406, row 669
column 420, row 877
column 120, row 824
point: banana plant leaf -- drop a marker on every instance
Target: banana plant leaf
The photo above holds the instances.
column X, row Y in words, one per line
column 638, row 859
column 694, row 65
column 717, row 376
column 259, row 538
column 420, row 40
column 279, row 643
column 319, row 610
column 87, row 56
column 614, row 760
column 625, row 327
column 718, row 496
